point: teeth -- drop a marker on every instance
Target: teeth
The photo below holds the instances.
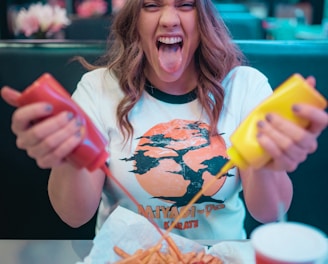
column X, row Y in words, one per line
column 170, row 40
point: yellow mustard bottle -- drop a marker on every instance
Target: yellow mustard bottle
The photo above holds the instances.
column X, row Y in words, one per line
column 245, row 150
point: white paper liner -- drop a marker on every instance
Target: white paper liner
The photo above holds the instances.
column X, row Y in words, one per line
column 131, row 232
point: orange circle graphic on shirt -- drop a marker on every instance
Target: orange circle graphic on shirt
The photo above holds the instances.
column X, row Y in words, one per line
column 177, row 158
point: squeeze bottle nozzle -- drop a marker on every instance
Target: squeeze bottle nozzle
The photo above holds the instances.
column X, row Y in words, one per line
column 90, row 153
column 245, row 150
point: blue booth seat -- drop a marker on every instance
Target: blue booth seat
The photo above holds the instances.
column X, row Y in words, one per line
column 230, row 7
column 25, row 209
column 244, row 26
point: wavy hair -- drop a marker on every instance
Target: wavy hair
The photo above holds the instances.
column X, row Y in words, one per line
column 215, row 57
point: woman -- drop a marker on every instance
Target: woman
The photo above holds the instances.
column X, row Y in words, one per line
column 167, row 97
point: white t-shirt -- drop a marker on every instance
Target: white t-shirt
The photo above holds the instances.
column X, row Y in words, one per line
column 171, row 155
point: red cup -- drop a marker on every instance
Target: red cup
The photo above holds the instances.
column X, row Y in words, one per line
column 289, row 243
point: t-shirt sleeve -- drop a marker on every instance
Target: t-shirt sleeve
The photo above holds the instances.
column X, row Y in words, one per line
column 87, row 97
column 258, row 90
column 246, row 88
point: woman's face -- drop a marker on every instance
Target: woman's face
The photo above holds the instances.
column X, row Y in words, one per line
column 169, row 37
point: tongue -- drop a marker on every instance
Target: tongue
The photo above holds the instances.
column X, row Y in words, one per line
column 170, row 57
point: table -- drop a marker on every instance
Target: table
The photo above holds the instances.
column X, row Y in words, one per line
column 43, row 251
column 54, row 251
column 74, row 251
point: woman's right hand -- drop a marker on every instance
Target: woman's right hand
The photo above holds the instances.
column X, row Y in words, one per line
column 46, row 138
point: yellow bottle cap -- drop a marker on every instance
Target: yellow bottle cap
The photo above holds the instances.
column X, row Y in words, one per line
column 237, row 159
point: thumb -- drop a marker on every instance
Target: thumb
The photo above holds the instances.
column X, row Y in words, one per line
column 10, row 95
column 311, row 80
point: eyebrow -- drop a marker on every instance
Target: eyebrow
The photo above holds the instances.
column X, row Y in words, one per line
column 157, row 1
column 161, row 1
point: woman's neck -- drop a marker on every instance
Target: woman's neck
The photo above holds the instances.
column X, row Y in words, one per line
column 182, row 85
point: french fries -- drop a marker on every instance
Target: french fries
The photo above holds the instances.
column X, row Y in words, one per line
column 153, row 255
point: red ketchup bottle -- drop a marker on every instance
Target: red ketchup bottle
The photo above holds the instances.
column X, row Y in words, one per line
column 91, row 153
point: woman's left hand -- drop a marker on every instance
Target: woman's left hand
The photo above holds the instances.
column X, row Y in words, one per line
column 287, row 143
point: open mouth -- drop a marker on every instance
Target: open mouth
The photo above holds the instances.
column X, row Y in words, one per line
column 173, row 42
column 170, row 53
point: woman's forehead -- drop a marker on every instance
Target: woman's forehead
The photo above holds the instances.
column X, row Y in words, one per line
column 167, row 1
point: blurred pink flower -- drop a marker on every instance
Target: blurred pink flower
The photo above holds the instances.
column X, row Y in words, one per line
column 40, row 19
column 90, row 8
column 117, row 5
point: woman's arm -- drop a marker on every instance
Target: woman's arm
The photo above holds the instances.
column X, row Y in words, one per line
column 75, row 193
column 288, row 145
column 265, row 191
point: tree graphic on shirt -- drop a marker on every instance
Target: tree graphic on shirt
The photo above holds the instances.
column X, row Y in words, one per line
column 144, row 161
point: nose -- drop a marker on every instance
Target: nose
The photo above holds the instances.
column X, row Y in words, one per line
column 169, row 17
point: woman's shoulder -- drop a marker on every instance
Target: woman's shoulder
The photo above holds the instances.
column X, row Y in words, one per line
column 99, row 74
column 247, row 77
column 246, row 73
column 243, row 81
column 100, row 80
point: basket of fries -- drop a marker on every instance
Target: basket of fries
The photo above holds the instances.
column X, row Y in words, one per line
column 127, row 238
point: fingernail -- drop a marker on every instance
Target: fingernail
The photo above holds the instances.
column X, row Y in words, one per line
column 78, row 122
column 261, row 123
column 70, row 115
column 78, row 134
column 48, row 108
column 296, row 108
column 268, row 117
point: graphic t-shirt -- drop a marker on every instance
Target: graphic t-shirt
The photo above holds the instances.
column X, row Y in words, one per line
column 171, row 154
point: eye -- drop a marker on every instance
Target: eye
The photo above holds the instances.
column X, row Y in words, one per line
column 186, row 5
column 151, row 6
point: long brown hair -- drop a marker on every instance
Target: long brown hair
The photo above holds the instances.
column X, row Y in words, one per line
column 215, row 57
